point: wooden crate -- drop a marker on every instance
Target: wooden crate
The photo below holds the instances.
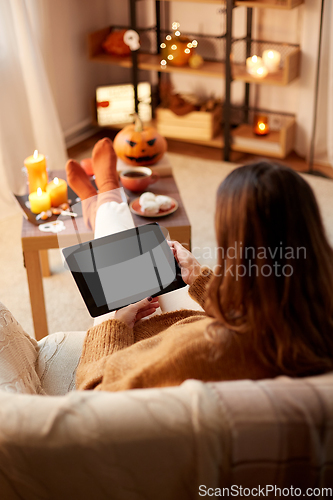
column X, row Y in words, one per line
column 277, row 144
column 201, row 125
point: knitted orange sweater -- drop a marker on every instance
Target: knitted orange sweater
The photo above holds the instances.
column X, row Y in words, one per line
column 165, row 350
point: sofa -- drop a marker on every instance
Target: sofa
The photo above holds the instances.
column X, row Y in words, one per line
column 245, row 438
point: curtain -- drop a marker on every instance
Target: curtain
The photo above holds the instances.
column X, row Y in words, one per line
column 309, row 47
column 28, row 118
column 324, row 135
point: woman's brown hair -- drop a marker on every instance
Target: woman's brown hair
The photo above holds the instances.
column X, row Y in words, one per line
column 267, row 216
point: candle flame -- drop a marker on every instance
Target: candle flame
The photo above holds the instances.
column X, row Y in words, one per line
column 271, row 54
column 39, row 191
column 254, row 59
column 56, row 180
column 260, row 71
column 262, row 126
column 35, row 154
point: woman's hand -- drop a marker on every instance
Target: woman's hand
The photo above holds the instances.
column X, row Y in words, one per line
column 189, row 265
column 131, row 314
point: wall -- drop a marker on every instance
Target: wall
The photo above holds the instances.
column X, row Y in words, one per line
column 74, row 78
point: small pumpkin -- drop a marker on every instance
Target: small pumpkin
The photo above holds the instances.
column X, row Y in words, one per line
column 177, row 50
column 138, row 145
column 114, row 44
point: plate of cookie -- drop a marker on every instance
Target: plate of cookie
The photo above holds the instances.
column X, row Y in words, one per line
column 152, row 206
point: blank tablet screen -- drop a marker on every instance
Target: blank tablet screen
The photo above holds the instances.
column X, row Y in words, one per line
column 123, row 268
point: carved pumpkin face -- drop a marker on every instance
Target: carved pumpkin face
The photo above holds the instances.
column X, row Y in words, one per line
column 139, row 147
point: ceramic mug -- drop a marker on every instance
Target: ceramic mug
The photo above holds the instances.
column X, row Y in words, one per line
column 137, row 179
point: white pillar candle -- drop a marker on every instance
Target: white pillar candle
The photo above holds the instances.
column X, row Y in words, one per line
column 271, row 59
column 252, row 63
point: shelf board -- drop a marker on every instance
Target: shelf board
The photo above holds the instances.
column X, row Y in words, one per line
column 262, row 4
column 208, row 69
column 269, row 4
column 152, row 62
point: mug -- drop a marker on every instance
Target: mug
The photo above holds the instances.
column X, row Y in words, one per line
column 137, row 179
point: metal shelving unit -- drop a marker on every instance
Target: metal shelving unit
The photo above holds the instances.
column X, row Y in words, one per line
column 224, row 66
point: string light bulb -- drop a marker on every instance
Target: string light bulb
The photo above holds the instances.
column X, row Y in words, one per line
column 176, row 49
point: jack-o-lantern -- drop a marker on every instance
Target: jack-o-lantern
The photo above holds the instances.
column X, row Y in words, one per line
column 177, row 50
column 139, row 145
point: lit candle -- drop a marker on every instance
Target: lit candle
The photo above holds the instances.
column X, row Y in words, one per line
column 57, row 190
column 271, row 59
column 260, row 71
column 252, row 63
column 37, row 174
column 39, row 201
column 261, row 126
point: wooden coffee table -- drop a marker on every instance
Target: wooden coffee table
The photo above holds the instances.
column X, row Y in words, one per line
column 36, row 243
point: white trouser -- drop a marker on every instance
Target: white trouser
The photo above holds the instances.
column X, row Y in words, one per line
column 111, row 218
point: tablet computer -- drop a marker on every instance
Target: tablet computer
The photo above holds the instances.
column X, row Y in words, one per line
column 117, row 270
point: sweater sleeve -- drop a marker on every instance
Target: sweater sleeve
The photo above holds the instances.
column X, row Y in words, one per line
column 101, row 341
column 198, row 288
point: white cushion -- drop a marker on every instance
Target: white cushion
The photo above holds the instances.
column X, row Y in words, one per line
column 57, row 361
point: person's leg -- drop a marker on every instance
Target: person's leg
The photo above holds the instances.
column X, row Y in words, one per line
column 106, row 212
column 18, row 354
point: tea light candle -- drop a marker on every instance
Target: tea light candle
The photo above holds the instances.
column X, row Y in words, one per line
column 252, row 63
column 39, row 201
column 57, row 190
column 271, row 59
column 261, row 126
column 37, row 174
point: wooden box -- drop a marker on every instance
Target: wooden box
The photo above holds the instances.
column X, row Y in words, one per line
column 200, row 125
column 277, row 144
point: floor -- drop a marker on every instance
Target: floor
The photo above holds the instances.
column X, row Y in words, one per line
column 293, row 160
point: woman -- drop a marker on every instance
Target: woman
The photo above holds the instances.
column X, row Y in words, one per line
column 268, row 307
